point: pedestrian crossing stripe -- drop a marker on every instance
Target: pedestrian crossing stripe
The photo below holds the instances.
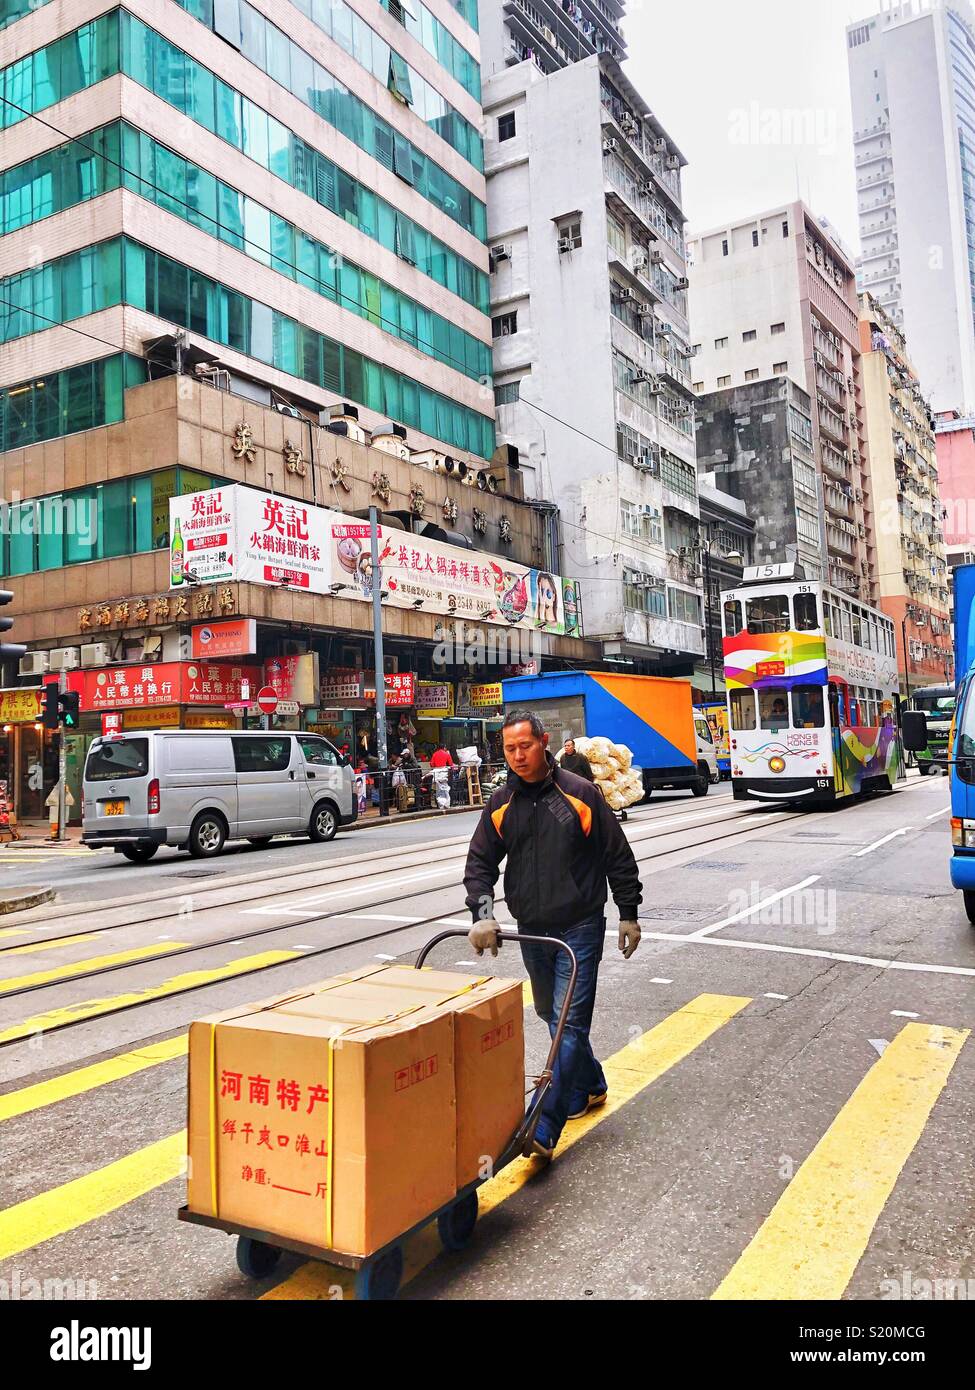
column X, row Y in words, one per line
column 628, row 1072
column 59, row 974
column 75, row 1083
column 53, row 1019
column 812, row 1241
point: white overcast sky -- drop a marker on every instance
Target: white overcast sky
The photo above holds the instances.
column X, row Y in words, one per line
column 718, row 73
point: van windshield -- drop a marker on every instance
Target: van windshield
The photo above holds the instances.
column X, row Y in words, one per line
column 124, row 757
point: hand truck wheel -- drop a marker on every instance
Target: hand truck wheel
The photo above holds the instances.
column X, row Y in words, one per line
column 379, row 1277
column 456, row 1224
column 256, row 1258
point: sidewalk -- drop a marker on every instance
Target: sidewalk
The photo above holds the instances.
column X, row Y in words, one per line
column 35, row 836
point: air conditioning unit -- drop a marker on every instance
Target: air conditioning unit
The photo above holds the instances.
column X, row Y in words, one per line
column 391, row 439
column 665, row 330
column 456, row 467
column 499, row 253
column 486, row 482
column 639, row 263
column 682, row 283
column 646, row 188
column 610, row 146
column 565, row 244
column 645, row 310
column 624, row 294
column 65, row 659
column 629, row 126
column 656, row 258
column 672, row 161
column 95, row 654
column 647, row 463
column 33, row 664
column 660, row 145
column 430, row 458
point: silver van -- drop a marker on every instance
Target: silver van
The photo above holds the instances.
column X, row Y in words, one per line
column 196, row 790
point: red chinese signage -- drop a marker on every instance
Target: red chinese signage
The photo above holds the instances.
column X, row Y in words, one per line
column 400, row 690
column 769, row 668
column 162, row 683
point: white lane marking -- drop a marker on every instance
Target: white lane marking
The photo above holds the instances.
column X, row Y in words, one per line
column 378, row 917
column 877, row 962
column 769, row 995
column 935, row 814
column 903, row 1013
column 466, row 962
column 879, row 1045
column 381, row 957
column 459, row 922
column 659, row 980
column 755, row 907
column 877, row 843
column 308, row 905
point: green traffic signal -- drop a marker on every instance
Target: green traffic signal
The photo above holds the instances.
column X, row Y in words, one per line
column 68, row 708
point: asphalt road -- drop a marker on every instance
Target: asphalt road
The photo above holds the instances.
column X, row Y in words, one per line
column 791, row 1075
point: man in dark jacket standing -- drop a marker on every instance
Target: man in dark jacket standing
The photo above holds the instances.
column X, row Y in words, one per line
column 576, row 762
column 562, row 843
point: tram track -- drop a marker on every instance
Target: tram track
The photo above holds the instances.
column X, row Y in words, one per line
column 330, row 948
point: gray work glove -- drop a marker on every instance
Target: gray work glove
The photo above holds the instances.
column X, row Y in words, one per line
column 484, row 935
column 629, row 938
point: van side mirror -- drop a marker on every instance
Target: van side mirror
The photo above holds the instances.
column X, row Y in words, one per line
column 914, row 730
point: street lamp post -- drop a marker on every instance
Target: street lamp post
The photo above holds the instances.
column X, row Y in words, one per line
column 907, row 671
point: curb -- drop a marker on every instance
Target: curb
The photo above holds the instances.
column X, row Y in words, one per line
column 20, row 902
column 403, row 818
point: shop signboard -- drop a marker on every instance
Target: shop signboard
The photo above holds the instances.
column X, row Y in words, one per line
column 485, row 696
column 249, row 534
column 341, row 683
column 434, row 699
column 167, row 717
column 294, row 678
column 400, row 690
column 160, row 684
column 232, row 637
column 21, row 706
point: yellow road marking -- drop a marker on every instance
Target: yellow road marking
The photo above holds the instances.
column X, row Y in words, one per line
column 75, row 1083
column 812, row 1241
column 91, row 1008
column 628, row 1072
column 526, row 994
column 46, row 945
column 64, row 1208
column 14, row 931
column 79, row 967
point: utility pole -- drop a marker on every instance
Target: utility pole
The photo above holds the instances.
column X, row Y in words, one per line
column 377, row 643
column 62, row 762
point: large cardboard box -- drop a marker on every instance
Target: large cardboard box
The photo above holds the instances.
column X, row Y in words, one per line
column 336, row 1131
column 342, row 1114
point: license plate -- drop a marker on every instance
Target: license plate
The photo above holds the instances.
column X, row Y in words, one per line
column 114, row 808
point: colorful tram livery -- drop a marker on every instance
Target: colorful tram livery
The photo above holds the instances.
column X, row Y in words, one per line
column 811, row 676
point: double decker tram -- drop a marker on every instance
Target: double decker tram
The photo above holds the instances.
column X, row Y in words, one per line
column 813, row 704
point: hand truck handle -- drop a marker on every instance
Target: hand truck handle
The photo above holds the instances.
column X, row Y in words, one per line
column 523, row 1137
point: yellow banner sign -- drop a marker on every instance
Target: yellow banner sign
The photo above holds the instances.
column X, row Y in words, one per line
column 165, row 717
column 20, row 706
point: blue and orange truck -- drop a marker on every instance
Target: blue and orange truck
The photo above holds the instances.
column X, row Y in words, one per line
column 652, row 715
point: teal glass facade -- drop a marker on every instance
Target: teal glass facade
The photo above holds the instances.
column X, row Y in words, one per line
column 78, row 398
column 93, row 165
column 122, row 271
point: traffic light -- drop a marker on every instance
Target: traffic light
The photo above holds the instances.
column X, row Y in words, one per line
column 8, row 650
column 50, row 714
column 68, row 708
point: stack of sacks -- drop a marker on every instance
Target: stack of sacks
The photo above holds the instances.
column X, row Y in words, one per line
column 612, row 767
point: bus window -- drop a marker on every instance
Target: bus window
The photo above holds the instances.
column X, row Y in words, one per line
column 807, row 707
column 732, row 617
column 742, row 710
column 857, row 634
column 769, row 613
column 773, row 707
column 807, row 618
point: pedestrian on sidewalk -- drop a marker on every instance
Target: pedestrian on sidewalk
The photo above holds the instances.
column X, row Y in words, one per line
column 562, row 842
column 576, row 762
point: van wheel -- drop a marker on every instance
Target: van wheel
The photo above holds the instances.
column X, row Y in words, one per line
column 700, row 787
column 138, row 853
column 208, row 834
column 324, row 823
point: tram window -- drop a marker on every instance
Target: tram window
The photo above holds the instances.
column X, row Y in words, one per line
column 828, row 619
column 807, row 707
column 857, row 634
column 845, row 620
column 773, row 707
column 732, row 618
column 807, row 618
column 769, row 613
column 742, row 709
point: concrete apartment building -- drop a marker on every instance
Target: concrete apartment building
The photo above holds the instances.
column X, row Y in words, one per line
column 727, row 547
column 774, row 295
column 756, row 442
column 589, row 313
column 285, row 206
column 912, row 87
column 912, row 571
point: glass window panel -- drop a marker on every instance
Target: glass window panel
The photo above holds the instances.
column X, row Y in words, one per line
column 229, row 124
column 286, row 345
column 279, row 50
column 203, row 308
column 742, row 710
column 231, row 215
column 255, row 133
column 257, row 231
column 21, row 540
column 310, row 358
column 262, row 332
column 773, row 706
column 201, row 194
column 279, row 149
column 283, row 246
column 115, row 517
column 302, row 80
column 306, row 259
column 342, row 27
column 201, row 95
column 332, row 366
column 252, row 41
column 50, row 532
column 237, row 308
column 172, row 290
column 362, row 43
column 170, row 180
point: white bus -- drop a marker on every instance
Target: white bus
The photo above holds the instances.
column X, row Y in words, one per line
column 811, row 675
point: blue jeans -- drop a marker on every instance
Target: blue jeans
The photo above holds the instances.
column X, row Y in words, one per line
column 576, row 1071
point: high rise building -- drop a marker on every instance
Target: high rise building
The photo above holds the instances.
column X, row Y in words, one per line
column 774, row 295
column 912, row 572
column 912, row 85
column 589, row 316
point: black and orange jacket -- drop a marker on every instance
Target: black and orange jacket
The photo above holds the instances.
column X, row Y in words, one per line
column 562, row 843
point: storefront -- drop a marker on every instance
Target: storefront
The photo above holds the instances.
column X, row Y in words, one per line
column 28, row 753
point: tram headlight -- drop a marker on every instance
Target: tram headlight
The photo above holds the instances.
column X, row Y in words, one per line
column 776, row 764
column 962, row 833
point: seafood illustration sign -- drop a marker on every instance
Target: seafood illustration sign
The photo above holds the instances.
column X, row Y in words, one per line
column 440, row 578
